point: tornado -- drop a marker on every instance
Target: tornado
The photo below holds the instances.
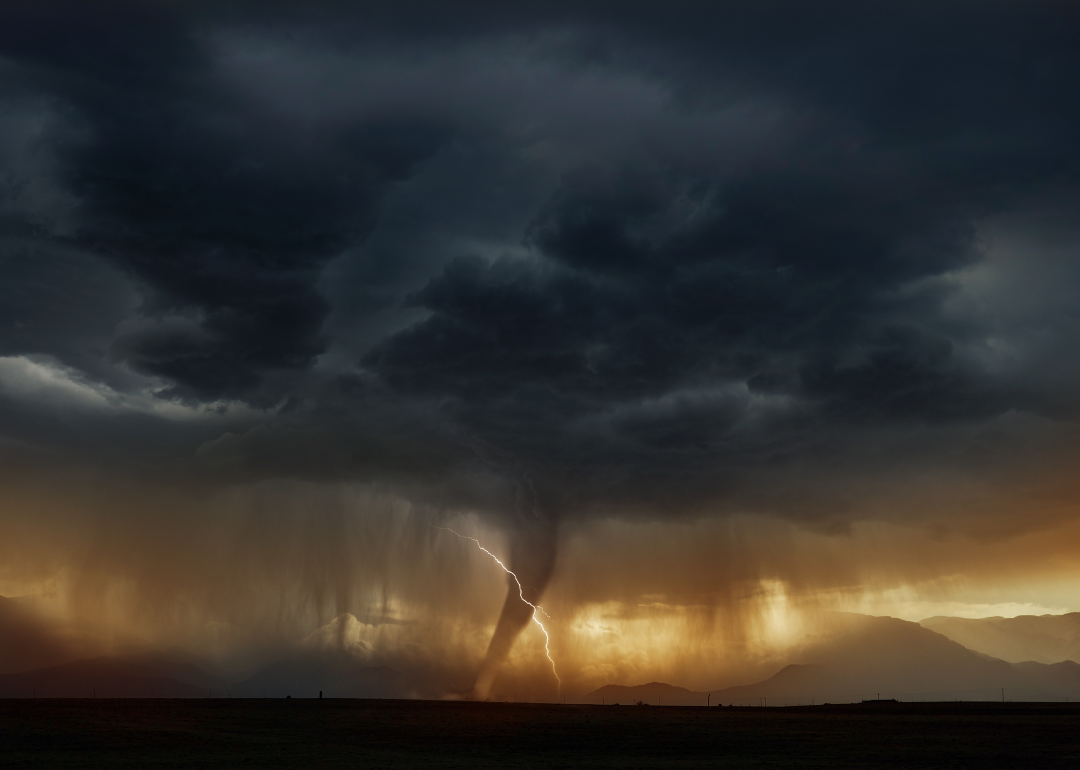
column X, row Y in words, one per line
column 532, row 561
column 529, row 564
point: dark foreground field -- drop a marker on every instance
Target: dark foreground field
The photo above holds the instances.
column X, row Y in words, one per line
column 386, row 733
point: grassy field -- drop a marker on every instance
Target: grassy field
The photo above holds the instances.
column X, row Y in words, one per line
column 417, row 734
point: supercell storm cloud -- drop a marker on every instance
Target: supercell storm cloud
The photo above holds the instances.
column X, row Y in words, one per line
column 681, row 306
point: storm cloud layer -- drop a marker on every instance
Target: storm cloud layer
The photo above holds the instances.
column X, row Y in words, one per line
column 644, row 252
column 550, row 262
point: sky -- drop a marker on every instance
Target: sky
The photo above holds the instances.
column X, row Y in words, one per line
column 702, row 317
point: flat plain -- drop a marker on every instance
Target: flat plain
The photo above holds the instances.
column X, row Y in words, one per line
column 185, row 733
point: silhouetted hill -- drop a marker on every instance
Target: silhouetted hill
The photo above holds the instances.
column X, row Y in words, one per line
column 1041, row 638
column 863, row 657
column 140, row 676
column 857, row 657
column 337, row 674
column 653, row 693
column 143, row 676
column 27, row 641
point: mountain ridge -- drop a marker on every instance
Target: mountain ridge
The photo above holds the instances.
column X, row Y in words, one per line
column 123, row 676
column 1040, row 638
column 862, row 658
column 850, row 657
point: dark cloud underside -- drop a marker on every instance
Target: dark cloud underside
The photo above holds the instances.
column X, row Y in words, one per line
column 643, row 255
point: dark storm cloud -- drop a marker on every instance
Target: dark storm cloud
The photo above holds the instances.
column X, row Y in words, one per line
column 708, row 293
column 225, row 214
column 656, row 257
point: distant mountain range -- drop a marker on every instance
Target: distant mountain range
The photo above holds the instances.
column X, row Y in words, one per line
column 37, row 659
column 653, row 693
column 27, row 641
column 141, row 676
column 1041, row 638
column 336, row 674
column 851, row 658
column 152, row 676
column 865, row 658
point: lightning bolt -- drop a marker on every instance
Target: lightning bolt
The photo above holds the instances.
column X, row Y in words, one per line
column 521, row 592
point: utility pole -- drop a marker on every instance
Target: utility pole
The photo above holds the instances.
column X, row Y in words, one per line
column 1002, row 694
